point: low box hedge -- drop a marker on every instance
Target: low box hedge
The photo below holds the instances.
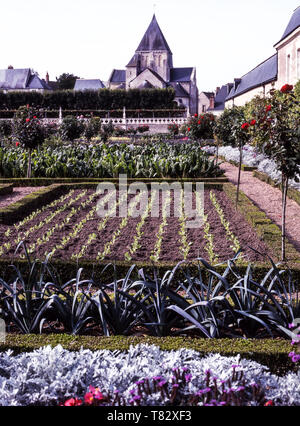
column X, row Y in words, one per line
column 19, row 182
column 22, row 208
column 293, row 194
column 270, row 352
column 6, row 189
column 268, row 232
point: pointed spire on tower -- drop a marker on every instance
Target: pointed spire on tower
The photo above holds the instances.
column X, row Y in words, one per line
column 153, row 39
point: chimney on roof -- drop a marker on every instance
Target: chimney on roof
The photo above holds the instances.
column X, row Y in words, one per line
column 10, row 67
column 212, row 101
column 217, row 90
column 47, row 78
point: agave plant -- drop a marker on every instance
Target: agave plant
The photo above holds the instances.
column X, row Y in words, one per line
column 120, row 305
column 73, row 305
column 27, row 302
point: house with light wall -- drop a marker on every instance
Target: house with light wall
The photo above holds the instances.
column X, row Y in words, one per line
column 283, row 67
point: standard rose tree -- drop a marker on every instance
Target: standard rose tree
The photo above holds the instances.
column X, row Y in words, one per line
column 278, row 130
column 29, row 131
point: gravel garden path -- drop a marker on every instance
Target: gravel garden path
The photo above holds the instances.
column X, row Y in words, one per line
column 268, row 199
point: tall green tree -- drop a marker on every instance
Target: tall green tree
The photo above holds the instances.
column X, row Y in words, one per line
column 66, row 81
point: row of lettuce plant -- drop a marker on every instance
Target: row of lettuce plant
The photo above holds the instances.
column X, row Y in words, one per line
column 109, row 160
column 206, row 303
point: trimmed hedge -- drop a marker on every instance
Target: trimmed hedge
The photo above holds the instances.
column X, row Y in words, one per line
column 269, row 232
column 103, row 99
column 270, row 352
column 17, row 211
column 6, row 189
column 293, row 194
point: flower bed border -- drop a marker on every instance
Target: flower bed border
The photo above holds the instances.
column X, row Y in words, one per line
column 270, row 352
column 293, row 194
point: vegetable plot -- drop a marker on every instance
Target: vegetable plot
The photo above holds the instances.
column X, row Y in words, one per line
column 70, row 228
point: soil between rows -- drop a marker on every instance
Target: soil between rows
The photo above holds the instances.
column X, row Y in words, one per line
column 171, row 247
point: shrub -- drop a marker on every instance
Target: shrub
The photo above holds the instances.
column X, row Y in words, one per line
column 173, row 129
column 92, row 128
column 5, row 128
column 201, row 127
column 224, row 124
column 71, row 128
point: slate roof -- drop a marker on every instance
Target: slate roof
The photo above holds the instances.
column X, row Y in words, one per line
column 180, row 74
column 262, row 74
column 133, row 61
column 118, row 76
column 21, row 79
column 220, row 98
column 37, row 83
column 153, row 39
column 84, row 84
column 14, row 79
column 180, row 91
column 292, row 25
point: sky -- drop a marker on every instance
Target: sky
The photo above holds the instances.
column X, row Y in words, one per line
column 223, row 39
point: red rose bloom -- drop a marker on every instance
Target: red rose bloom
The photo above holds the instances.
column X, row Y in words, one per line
column 286, row 88
column 245, row 126
column 269, row 403
column 27, row 120
column 17, row 143
column 268, row 108
column 189, row 129
column 199, row 122
column 34, row 116
column 196, row 115
column 253, row 122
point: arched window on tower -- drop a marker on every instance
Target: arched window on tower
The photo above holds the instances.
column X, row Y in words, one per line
column 159, row 60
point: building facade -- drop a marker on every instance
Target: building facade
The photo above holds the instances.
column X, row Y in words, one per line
column 151, row 66
column 281, row 68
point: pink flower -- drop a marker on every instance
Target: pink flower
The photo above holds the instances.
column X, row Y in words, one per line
column 73, row 402
column 89, row 398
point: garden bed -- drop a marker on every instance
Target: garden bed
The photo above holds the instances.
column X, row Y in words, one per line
column 70, row 228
